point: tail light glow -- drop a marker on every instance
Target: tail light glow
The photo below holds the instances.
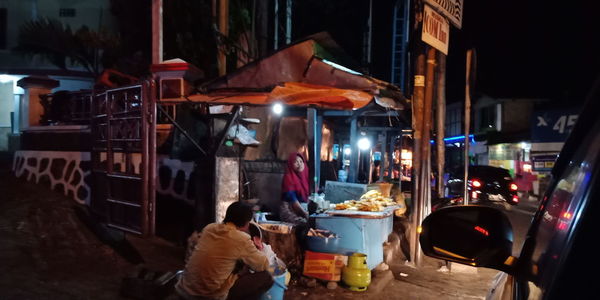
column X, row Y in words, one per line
column 513, row 187
column 562, row 225
column 564, row 220
column 482, row 230
column 476, row 183
column 515, row 199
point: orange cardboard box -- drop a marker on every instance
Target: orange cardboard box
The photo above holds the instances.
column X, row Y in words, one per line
column 326, row 266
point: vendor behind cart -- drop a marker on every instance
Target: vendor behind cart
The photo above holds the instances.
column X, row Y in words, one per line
column 295, row 190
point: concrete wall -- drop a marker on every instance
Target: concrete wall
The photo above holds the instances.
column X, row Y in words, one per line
column 7, row 102
column 4, row 132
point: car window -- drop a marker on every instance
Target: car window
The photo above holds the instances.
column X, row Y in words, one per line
column 559, row 210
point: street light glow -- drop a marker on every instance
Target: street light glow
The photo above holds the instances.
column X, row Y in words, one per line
column 364, row 143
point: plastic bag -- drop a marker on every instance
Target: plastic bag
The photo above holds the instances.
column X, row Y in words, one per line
column 276, row 265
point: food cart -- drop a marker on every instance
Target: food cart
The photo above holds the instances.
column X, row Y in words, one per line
column 358, row 226
column 363, row 232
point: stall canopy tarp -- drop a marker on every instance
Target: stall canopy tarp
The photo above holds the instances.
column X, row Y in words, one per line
column 302, row 74
column 292, row 93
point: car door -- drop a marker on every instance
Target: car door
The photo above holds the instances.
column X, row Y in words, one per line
column 554, row 243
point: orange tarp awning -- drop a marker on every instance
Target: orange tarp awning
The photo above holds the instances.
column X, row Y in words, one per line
column 292, row 93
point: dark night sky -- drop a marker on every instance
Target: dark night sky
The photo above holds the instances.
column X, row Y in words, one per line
column 537, row 49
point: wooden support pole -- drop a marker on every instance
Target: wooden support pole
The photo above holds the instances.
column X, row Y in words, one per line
column 224, row 29
column 427, row 126
column 383, row 156
column 467, row 125
column 417, row 124
column 440, row 122
column 157, row 31
column 314, row 142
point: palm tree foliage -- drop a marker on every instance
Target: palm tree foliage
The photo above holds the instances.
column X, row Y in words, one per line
column 63, row 47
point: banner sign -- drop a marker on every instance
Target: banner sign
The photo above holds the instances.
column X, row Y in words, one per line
column 451, row 9
column 436, row 30
column 550, row 126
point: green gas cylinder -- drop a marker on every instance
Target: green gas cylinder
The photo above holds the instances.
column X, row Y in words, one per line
column 357, row 275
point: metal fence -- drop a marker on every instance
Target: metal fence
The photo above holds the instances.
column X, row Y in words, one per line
column 67, row 108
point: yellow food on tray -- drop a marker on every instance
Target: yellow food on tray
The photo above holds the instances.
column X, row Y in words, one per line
column 341, row 206
column 372, row 201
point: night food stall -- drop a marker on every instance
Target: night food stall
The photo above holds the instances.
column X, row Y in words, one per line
column 303, row 76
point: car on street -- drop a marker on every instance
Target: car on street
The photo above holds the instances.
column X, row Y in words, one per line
column 485, row 184
column 558, row 258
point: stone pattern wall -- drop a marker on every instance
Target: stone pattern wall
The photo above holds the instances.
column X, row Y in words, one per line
column 70, row 173
column 175, row 178
column 67, row 172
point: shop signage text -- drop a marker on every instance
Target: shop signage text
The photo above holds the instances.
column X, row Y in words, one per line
column 436, row 30
column 543, row 163
column 553, row 125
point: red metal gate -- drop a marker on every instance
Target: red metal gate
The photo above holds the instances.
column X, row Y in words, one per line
column 123, row 137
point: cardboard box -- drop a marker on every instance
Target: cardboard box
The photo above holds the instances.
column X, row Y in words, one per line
column 325, row 266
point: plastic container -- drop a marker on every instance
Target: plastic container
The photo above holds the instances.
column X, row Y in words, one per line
column 278, row 289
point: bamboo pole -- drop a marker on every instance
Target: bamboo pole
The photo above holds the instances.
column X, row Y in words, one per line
column 440, row 122
column 467, row 125
column 157, row 31
column 224, row 29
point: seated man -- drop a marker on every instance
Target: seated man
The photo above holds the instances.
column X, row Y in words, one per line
column 211, row 273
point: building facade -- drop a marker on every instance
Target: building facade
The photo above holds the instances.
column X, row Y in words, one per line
column 14, row 67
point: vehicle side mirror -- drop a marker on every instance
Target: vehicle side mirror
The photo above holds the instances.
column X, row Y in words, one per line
column 479, row 236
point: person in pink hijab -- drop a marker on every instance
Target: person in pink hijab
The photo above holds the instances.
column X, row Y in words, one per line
column 295, row 190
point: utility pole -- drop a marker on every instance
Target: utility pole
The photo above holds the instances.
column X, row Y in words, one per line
column 467, row 124
column 418, row 96
column 441, row 122
column 224, row 29
column 427, row 126
column 424, row 119
column 157, row 32
column 417, row 124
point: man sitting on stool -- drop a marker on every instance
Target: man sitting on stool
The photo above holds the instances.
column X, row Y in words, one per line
column 213, row 268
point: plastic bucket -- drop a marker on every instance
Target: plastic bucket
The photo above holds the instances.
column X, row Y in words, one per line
column 277, row 290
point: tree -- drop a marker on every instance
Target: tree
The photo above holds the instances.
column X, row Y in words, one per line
column 58, row 44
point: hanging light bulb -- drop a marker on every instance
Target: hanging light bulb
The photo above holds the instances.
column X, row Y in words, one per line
column 364, row 143
column 278, row 108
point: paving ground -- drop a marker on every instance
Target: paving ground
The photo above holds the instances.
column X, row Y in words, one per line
column 410, row 283
column 48, row 252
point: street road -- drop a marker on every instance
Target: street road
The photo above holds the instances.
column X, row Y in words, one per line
column 520, row 218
